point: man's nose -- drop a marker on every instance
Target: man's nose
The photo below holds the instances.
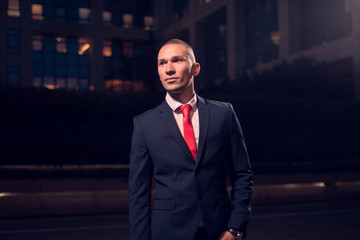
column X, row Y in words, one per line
column 170, row 69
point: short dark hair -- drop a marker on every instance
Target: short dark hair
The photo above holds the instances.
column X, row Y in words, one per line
column 181, row 42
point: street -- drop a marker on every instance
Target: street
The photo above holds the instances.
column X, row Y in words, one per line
column 317, row 221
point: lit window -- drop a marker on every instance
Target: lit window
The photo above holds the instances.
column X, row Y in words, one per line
column 107, row 17
column 37, row 43
column 60, row 83
column 73, row 83
column 148, row 22
column 61, row 45
column 128, row 49
column 13, row 40
column 127, row 20
column 275, row 37
column 107, row 49
column 83, row 46
column 13, row 8
column 49, row 82
column 84, row 15
column 13, row 74
column 37, row 11
column 36, row 81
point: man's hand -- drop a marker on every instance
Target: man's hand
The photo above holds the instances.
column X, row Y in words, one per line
column 226, row 236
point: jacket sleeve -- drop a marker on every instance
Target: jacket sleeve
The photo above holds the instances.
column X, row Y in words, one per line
column 241, row 177
column 140, row 178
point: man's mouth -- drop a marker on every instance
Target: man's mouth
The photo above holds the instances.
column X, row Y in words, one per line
column 171, row 79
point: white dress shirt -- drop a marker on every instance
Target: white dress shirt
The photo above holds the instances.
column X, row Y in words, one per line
column 194, row 115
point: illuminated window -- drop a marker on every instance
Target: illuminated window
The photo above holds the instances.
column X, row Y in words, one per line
column 107, row 17
column 13, row 40
column 107, row 48
column 275, row 37
column 61, row 45
column 128, row 49
column 148, row 22
column 73, row 83
column 60, row 83
column 37, row 43
column 13, row 8
column 84, row 15
column 49, row 82
column 37, row 11
column 127, row 20
column 36, row 81
column 13, row 74
column 83, row 46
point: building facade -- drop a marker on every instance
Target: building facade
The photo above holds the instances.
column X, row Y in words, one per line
column 76, row 44
column 233, row 36
column 92, row 44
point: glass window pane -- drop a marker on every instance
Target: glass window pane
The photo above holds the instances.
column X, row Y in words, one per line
column 37, row 11
column 13, row 40
column 72, row 83
column 107, row 17
column 37, row 43
column 83, row 46
column 13, row 8
column 107, row 50
column 61, row 45
column 37, row 57
column 84, row 15
column 60, row 13
column 60, row 83
column 84, row 83
column 36, row 81
column 127, row 20
column 13, row 74
column 49, row 82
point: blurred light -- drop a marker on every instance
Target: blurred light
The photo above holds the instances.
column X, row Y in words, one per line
column 5, row 194
column 107, row 17
column 275, row 37
column 299, row 185
column 83, row 48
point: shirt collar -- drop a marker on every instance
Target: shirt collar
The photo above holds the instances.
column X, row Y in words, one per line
column 175, row 104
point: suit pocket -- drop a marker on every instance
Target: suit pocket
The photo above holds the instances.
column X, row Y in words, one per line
column 164, row 204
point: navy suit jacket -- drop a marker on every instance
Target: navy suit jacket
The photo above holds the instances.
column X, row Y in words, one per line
column 187, row 190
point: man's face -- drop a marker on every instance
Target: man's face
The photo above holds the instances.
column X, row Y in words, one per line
column 175, row 68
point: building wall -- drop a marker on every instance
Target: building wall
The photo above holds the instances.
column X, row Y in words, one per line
column 260, row 34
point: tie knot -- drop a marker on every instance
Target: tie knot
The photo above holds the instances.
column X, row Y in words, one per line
column 185, row 109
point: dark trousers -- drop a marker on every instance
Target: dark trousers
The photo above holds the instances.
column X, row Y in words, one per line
column 201, row 234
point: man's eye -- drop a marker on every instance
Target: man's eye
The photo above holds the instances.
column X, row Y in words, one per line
column 161, row 63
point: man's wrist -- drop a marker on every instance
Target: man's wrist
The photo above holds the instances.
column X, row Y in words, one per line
column 238, row 235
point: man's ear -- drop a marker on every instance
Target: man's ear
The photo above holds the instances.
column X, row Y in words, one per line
column 195, row 70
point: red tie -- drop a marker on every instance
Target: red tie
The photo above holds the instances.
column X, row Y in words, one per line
column 188, row 129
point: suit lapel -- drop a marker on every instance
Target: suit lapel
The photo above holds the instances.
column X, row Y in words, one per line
column 204, row 115
column 169, row 120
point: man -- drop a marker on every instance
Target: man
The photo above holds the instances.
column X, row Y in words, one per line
column 186, row 152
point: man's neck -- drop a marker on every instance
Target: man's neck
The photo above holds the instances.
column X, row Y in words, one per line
column 182, row 98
